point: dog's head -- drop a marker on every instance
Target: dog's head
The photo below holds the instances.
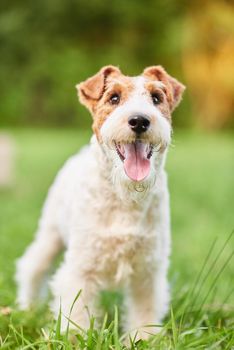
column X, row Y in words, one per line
column 132, row 119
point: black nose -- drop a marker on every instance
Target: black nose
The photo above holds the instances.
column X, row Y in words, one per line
column 139, row 123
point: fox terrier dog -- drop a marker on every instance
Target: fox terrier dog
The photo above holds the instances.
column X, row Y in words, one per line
column 109, row 205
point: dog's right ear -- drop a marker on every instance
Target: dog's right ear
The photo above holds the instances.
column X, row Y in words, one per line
column 91, row 90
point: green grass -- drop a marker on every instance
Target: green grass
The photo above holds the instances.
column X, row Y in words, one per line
column 200, row 168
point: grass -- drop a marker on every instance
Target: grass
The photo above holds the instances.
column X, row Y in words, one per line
column 200, row 168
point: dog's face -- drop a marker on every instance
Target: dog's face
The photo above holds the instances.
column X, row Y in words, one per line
column 132, row 118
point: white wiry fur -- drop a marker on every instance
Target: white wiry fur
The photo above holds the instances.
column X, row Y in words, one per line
column 116, row 232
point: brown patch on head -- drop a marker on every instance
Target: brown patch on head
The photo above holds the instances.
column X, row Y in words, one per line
column 158, row 89
column 122, row 86
column 96, row 92
column 172, row 87
column 91, row 90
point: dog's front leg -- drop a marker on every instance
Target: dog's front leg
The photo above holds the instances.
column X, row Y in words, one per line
column 68, row 282
column 147, row 302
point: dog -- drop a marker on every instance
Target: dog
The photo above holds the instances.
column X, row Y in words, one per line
column 109, row 205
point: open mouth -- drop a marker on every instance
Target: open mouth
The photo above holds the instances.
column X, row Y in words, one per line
column 136, row 158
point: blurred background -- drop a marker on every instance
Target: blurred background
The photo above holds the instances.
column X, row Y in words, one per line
column 49, row 46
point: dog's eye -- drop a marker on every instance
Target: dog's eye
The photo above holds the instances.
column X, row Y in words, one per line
column 156, row 98
column 114, row 99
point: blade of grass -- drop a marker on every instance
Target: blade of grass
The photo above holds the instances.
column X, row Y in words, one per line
column 72, row 306
column 174, row 329
column 101, row 335
column 197, row 280
column 213, row 284
column 116, row 329
column 211, row 268
column 208, row 273
column 21, row 336
column 90, row 332
column 58, row 324
column 45, row 342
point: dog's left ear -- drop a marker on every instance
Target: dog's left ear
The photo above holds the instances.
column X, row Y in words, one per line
column 174, row 89
column 91, row 90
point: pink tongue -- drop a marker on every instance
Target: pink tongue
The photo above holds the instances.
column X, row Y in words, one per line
column 136, row 164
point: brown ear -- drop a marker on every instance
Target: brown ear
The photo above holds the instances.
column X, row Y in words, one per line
column 91, row 90
column 174, row 89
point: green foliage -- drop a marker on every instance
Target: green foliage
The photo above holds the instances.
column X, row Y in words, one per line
column 49, row 46
column 200, row 171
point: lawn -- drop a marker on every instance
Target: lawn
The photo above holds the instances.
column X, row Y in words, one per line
column 201, row 169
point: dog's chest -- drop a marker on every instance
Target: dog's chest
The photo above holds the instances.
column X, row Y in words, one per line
column 116, row 236
column 124, row 241
column 121, row 256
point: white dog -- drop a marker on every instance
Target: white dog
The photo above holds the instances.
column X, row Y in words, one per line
column 109, row 205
